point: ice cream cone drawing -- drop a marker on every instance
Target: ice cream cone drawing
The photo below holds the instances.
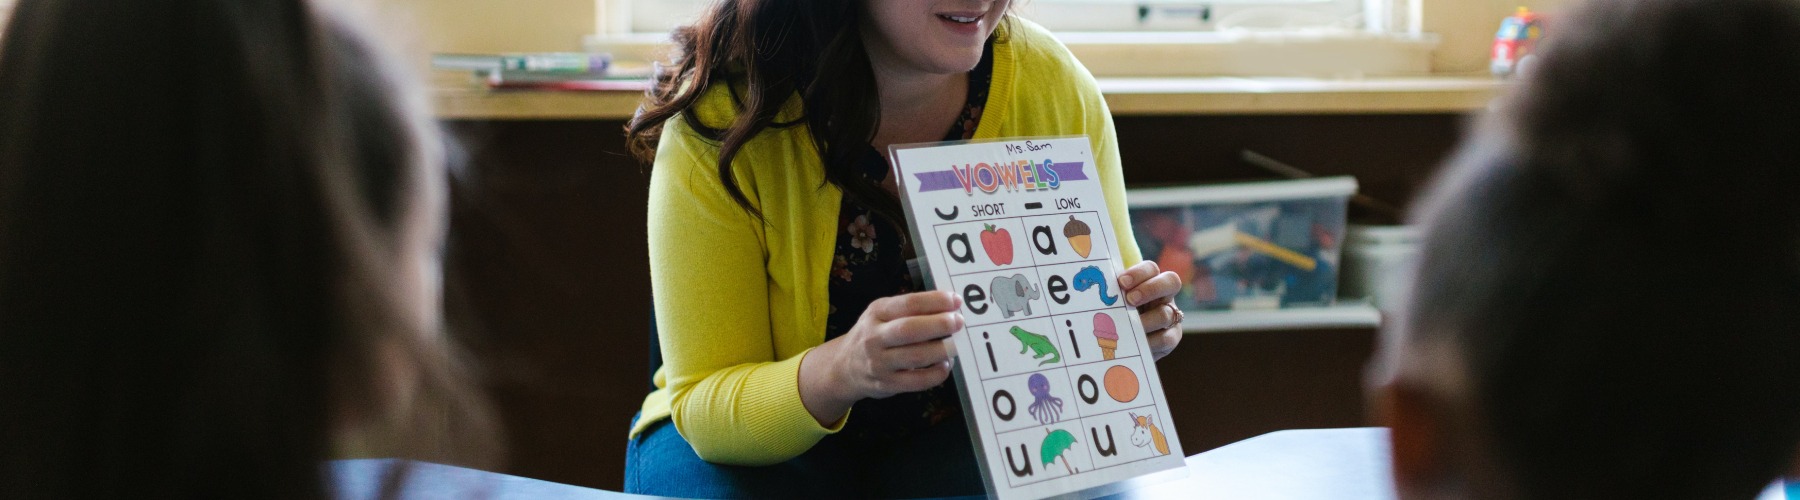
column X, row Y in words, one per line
column 1106, row 333
column 1079, row 236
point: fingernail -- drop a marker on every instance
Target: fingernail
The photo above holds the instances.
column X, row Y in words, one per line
column 1134, row 298
column 1125, row 280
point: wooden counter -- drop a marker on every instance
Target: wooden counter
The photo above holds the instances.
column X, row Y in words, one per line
column 1126, row 97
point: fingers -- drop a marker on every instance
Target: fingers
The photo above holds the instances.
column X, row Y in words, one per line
column 916, row 329
column 1158, row 286
column 914, row 380
column 1139, row 273
column 1162, row 342
column 913, row 304
column 915, row 356
column 1159, row 314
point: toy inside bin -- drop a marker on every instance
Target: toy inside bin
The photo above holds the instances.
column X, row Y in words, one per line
column 1262, row 245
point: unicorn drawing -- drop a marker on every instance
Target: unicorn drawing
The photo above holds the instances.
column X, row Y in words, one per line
column 1144, row 433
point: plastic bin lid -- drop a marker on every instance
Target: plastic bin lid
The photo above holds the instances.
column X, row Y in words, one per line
column 1246, row 192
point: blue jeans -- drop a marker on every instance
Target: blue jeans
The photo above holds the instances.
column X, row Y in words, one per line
column 939, row 462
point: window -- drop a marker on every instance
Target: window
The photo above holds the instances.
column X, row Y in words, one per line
column 1194, row 15
column 1152, row 38
column 660, row 16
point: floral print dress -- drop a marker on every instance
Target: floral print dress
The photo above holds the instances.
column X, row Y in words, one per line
column 870, row 263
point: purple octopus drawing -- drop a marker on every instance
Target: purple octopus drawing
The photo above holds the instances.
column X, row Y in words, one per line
column 1044, row 407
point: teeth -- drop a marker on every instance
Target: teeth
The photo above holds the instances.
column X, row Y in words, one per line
column 961, row 19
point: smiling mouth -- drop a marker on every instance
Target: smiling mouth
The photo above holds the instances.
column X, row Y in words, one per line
column 959, row 19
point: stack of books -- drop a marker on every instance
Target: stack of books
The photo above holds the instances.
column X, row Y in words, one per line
column 543, row 71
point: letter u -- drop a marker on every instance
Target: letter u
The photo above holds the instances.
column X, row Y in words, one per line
column 1110, row 448
column 1012, row 464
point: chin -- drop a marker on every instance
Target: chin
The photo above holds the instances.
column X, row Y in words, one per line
column 955, row 60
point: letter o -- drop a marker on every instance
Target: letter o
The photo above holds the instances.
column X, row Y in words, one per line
column 1012, row 407
column 1086, row 384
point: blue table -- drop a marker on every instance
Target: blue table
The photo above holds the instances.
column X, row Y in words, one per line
column 1348, row 464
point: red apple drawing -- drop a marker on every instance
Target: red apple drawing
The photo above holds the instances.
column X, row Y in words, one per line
column 997, row 243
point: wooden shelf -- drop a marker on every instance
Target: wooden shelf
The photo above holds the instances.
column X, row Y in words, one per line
column 1125, row 96
column 1315, row 318
column 1231, row 95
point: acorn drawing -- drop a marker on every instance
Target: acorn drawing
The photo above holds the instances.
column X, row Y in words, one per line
column 1079, row 236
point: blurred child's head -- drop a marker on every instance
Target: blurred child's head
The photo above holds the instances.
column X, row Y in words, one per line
column 219, row 222
column 1607, row 304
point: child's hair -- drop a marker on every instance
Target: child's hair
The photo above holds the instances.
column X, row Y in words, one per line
column 203, row 208
column 1615, row 258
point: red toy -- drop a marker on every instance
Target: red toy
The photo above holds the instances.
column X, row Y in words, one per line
column 1514, row 42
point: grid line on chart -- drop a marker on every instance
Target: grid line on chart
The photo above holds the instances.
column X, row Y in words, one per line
column 979, row 385
column 1054, row 337
column 1138, row 351
column 1067, row 374
column 1051, row 314
column 934, row 231
column 1011, row 478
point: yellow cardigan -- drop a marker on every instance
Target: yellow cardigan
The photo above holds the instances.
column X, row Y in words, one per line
column 739, row 303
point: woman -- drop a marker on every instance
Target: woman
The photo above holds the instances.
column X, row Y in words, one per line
column 218, row 227
column 777, row 257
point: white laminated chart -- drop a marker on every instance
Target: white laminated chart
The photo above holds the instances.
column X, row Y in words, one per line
column 1060, row 391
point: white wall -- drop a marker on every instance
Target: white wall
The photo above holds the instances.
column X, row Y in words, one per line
column 493, row 26
column 1467, row 28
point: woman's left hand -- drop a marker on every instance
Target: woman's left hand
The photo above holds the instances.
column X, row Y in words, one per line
column 1152, row 291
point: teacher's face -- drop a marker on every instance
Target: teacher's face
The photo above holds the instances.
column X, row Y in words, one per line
column 933, row 36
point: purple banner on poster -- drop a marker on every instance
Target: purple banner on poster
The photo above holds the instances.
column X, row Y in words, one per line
column 947, row 179
column 1070, row 171
column 937, row 181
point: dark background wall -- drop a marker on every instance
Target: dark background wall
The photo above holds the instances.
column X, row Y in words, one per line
column 547, row 279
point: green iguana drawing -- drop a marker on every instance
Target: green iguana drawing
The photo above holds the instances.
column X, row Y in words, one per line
column 1039, row 346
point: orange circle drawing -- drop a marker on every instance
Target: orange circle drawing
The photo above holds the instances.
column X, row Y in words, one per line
column 1121, row 384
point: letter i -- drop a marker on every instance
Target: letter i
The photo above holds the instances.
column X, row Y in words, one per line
column 1072, row 343
column 995, row 366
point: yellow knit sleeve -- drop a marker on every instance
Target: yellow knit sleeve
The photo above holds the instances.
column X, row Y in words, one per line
column 1099, row 126
column 730, row 397
column 1076, row 107
column 1112, row 179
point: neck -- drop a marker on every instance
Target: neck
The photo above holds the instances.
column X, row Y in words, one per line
column 916, row 106
column 904, row 90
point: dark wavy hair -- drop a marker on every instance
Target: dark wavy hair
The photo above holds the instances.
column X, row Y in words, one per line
column 767, row 52
column 202, row 206
column 1616, row 255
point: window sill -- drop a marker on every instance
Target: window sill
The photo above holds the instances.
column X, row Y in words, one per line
column 1342, row 316
column 1258, row 54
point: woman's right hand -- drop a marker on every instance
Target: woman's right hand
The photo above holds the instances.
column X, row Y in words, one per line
column 896, row 347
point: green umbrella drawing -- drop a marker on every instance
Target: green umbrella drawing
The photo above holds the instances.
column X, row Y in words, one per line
column 1053, row 447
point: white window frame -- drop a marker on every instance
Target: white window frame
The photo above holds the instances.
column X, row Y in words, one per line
column 1255, row 38
column 625, row 17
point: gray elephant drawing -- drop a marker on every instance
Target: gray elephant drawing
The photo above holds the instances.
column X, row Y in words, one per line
column 1013, row 294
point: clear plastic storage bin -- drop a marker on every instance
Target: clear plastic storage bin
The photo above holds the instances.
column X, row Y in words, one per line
column 1250, row 246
